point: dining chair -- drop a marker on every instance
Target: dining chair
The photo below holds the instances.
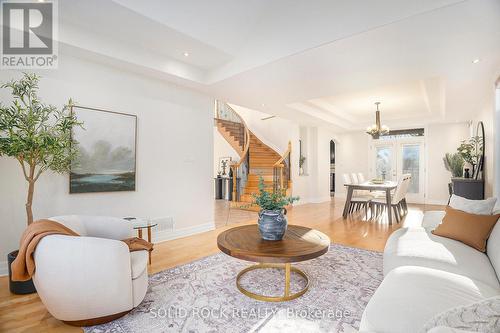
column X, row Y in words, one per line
column 398, row 200
column 359, row 200
column 358, row 178
column 361, row 177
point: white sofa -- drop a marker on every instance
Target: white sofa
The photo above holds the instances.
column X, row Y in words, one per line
column 425, row 275
column 93, row 276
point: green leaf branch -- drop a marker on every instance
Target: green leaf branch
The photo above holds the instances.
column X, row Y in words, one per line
column 37, row 135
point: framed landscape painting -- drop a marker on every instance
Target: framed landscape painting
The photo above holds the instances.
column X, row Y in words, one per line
column 106, row 158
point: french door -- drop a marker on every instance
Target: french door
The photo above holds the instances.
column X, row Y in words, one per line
column 393, row 158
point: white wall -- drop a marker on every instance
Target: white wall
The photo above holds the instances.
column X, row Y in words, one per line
column 486, row 114
column 274, row 132
column 174, row 152
column 496, row 146
column 352, row 155
column 441, row 139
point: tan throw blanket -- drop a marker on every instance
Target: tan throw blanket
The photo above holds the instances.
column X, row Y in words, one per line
column 23, row 267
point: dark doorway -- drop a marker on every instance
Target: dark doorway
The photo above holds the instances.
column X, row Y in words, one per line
column 332, row 168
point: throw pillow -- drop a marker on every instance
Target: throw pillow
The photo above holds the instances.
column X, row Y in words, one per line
column 470, row 229
column 483, row 207
column 482, row 316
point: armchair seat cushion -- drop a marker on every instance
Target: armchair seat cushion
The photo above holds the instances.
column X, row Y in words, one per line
column 138, row 263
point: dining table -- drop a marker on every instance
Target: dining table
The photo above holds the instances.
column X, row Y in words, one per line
column 386, row 186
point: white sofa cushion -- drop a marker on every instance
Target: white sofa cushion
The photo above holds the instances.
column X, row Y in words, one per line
column 481, row 207
column 493, row 248
column 417, row 246
column 410, row 296
column 432, row 219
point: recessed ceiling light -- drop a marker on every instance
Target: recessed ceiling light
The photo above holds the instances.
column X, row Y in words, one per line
column 475, row 61
column 186, row 54
column 263, row 104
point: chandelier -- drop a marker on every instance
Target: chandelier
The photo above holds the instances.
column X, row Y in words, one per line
column 376, row 130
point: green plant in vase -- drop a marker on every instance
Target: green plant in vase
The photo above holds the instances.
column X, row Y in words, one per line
column 454, row 163
column 471, row 150
column 302, row 160
column 272, row 220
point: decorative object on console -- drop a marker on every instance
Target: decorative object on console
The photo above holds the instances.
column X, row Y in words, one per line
column 106, row 157
column 479, row 174
column 470, row 229
column 302, row 160
column 272, row 220
column 454, row 163
column 471, row 151
column 224, row 163
column 38, row 136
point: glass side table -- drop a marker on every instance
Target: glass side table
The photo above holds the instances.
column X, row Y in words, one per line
column 139, row 224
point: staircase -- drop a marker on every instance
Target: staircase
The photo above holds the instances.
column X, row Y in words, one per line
column 262, row 160
column 256, row 159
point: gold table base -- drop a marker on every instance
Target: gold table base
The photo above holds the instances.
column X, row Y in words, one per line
column 287, row 296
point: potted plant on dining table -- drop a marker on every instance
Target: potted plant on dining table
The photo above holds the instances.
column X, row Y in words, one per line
column 272, row 220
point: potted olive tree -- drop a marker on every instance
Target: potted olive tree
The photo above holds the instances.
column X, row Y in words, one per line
column 272, row 220
column 38, row 136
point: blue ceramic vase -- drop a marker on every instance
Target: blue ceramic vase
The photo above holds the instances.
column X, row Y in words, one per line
column 272, row 224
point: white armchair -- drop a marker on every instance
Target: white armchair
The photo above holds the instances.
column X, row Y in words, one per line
column 90, row 279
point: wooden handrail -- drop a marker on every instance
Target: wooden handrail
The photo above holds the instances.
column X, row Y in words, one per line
column 285, row 155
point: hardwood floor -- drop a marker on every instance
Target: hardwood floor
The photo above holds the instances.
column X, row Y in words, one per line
column 27, row 313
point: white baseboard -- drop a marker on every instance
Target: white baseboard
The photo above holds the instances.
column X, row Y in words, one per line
column 4, row 269
column 166, row 235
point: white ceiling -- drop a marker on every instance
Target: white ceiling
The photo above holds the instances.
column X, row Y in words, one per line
column 318, row 62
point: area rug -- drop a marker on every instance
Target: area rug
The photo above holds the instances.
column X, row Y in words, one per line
column 202, row 297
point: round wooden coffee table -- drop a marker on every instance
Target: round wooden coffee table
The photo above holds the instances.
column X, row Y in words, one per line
column 298, row 244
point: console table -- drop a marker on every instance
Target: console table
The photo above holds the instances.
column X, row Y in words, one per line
column 468, row 188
